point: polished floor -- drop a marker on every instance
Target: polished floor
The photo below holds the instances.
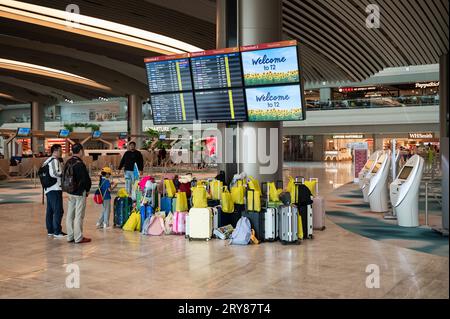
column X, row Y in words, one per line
column 118, row 264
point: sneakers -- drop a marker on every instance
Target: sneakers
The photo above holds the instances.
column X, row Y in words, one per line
column 106, row 226
column 60, row 235
column 84, row 240
column 49, row 235
column 99, row 226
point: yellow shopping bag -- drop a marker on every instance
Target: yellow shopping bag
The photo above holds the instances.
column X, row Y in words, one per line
column 170, row 188
column 132, row 221
column 254, row 184
column 199, row 197
column 300, row 227
column 253, row 200
column 291, row 189
column 312, row 186
column 181, row 203
column 227, row 201
column 216, row 189
column 122, row 193
column 274, row 193
column 238, row 193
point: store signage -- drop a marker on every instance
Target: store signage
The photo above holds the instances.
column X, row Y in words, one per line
column 426, row 85
column 348, row 136
column 358, row 145
column 347, row 90
column 158, row 128
column 421, row 135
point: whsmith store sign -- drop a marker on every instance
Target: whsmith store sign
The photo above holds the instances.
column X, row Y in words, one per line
column 422, row 136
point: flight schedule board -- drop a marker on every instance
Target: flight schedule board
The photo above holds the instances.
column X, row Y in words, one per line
column 225, row 105
column 270, row 63
column 173, row 108
column 216, row 69
column 169, row 73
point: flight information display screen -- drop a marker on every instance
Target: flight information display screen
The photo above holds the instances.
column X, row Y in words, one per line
column 270, row 63
column 226, row 105
column 173, row 108
column 169, row 73
column 274, row 103
column 216, row 69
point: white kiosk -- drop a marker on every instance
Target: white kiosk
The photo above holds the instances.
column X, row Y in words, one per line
column 404, row 191
column 370, row 173
column 368, row 167
column 378, row 187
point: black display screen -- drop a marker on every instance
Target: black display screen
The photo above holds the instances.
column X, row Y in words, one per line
column 217, row 71
column 221, row 105
column 404, row 174
column 169, row 76
column 173, row 108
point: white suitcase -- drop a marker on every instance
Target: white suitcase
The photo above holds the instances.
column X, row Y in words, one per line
column 310, row 226
column 271, row 224
column 215, row 212
column 200, row 223
column 186, row 234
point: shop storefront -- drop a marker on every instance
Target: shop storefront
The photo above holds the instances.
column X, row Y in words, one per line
column 298, row 147
column 337, row 146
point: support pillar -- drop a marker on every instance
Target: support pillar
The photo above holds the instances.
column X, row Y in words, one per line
column 326, row 94
column 135, row 118
column 37, row 124
column 318, row 148
column 444, row 123
column 260, row 22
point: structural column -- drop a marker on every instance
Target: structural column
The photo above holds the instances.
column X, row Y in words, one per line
column 37, row 124
column 325, row 94
column 135, row 118
column 260, row 22
column 444, row 141
column 318, row 148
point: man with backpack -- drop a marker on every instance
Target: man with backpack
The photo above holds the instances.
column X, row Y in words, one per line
column 50, row 176
column 76, row 182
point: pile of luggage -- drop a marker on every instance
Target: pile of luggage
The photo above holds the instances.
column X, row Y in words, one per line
column 245, row 212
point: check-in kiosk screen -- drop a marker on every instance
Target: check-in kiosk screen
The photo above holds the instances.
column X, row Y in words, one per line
column 376, row 167
column 368, row 164
column 226, row 105
column 404, row 174
column 216, row 69
column 173, row 108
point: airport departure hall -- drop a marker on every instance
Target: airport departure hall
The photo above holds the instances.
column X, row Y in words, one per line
column 224, row 149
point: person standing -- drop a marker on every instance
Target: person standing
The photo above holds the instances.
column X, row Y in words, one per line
column 131, row 157
column 105, row 186
column 76, row 182
column 53, row 193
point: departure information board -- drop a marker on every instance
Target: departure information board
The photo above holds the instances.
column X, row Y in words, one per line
column 216, row 69
column 173, row 108
column 226, row 105
column 169, row 73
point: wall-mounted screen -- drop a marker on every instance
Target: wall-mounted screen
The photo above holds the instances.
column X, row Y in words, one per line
column 404, row 174
column 227, row 105
column 173, row 108
column 96, row 134
column 169, row 73
column 23, row 132
column 274, row 103
column 216, row 69
column 64, row 133
column 272, row 63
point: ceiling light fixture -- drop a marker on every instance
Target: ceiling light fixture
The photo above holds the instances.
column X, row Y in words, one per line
column 49, row 72
column 93, row 27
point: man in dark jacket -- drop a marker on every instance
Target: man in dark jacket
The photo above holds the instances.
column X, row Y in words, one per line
column 77, row 183
column 131, row 157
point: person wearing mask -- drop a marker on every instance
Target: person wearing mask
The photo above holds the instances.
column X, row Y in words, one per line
column 77, row 183
column 53, row 193
column 131, row 157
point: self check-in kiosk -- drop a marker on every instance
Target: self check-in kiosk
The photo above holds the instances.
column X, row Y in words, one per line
column 369, row 174
column 404, row 191
column 368, row 167
column 378, row 188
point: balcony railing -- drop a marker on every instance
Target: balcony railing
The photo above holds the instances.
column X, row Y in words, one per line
column 375, row 102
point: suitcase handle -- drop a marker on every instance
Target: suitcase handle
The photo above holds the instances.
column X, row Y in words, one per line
column 312, row 179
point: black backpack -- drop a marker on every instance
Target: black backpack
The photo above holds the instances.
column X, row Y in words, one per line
column 68, row 182
column 44, row 176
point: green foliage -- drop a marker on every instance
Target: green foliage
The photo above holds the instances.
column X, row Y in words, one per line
column 70, row 127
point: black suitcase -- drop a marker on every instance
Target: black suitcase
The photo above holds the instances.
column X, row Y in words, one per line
column 213, row 202
column 256, row 219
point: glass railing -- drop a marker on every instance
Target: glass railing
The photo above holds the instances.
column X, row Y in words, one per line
column 374, row 102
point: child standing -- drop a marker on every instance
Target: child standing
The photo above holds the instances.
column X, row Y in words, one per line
column 105, row 187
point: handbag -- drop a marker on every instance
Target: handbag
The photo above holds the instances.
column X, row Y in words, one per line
column 98, row 196
column 181, row 202
column 227, row 201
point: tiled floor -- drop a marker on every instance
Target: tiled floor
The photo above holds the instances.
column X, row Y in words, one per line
column 118, row 264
